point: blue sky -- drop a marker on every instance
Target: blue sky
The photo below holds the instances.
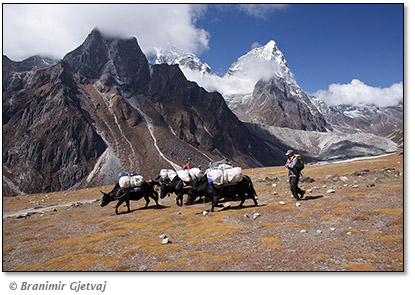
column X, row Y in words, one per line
column 323, row 44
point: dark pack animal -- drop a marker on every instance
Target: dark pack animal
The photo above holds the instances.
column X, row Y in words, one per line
column 175, row 186
column 178, row 187
column 243, row 189
column 158, row 181
column 146, row 191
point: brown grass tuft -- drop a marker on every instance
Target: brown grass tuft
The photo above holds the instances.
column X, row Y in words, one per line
column 356, row 256
column 9, row 248
column 328, row 217
column 305, row 213
column 393, row 212
column 297, row 225
column 271, row 241
column 359, row 267
column 270, row 225
column 392, row 240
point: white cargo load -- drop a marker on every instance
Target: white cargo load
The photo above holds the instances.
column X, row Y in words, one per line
column 167, row 174
column 130, row 181
column 195, row 173
column 224, row 175
column 136, row 181
column 190, row 175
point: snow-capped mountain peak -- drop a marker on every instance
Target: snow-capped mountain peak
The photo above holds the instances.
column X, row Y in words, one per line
column 171, row 54
column 267, row 60
column 270, row 51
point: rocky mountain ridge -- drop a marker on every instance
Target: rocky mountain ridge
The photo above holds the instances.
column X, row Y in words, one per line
column 184, row 58
column 274, row 99
column 385, row 122
column 104, row 109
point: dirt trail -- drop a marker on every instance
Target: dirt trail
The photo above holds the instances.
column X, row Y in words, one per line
column 46, row 209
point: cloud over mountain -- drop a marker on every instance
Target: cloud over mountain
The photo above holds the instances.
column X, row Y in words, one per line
column 261, row 10
column 358, row 93
column 52, row 29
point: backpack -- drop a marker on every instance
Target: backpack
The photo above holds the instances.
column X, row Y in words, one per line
column 300, row 163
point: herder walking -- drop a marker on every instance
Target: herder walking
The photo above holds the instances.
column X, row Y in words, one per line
column 294, row 164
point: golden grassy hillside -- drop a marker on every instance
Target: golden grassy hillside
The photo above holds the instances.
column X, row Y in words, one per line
column 359, row 227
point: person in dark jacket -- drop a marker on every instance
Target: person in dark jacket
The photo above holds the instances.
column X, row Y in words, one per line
column 294, row 175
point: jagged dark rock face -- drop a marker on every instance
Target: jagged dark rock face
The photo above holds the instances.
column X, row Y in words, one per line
column 49, row 142
column 274, row 105
column 102, row 110
column 114, row 60
column 203, row 119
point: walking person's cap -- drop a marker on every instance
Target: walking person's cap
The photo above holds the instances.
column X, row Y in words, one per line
column 289, row 152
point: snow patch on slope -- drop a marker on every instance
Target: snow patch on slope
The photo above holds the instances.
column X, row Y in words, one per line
column 150, row 127
column 98, row 85
column 106, row 167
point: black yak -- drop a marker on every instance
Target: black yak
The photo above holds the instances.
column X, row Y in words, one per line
column 243, row 189
column 146, row 190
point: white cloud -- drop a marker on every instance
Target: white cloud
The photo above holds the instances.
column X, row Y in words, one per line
column 250, row 70
column 56, row 29
column 359, row 94
column 255, row 45
column 261, row 10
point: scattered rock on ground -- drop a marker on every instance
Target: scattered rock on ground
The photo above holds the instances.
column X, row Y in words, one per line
column 344, row 178
column 361, row 172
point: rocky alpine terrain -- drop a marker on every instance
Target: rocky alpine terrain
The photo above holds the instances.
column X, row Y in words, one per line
column 350, row 220
column 261, row 90
column 106, row 107
column 103, row 109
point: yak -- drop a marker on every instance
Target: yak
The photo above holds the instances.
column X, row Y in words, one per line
column 175, row 186
column 121, row 195
column 243, row 189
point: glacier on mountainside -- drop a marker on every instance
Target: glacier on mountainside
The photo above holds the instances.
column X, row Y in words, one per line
column 351, row 131
column 326, row 145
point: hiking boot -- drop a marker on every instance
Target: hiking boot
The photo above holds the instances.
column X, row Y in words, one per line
column 302, row 194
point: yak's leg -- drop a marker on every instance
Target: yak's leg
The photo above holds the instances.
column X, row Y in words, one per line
column 120, row 201
column 127, row 201
column 190, row 199
column 242, row 197
column 215, row 202
column 155, row 197
column 128, row 204
column 255, row 201
column 215, row 198
column 147, row 200
column 179, row 199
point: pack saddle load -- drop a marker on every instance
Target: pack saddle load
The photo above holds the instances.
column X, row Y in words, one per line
column 224, row 174
column 190, row 175
column 167, row 174
column 130, row 180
